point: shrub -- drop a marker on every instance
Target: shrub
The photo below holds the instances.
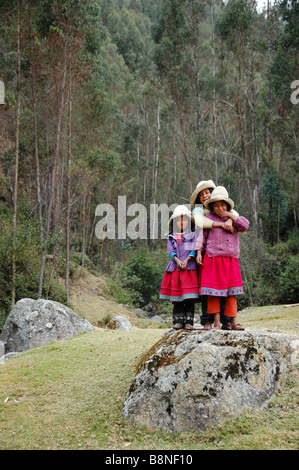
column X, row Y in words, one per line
column 140, row 276
column 260, row 271
column 27, row 262
column 289, row 281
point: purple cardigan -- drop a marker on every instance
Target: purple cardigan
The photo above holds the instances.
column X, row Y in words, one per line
column 185, row 248
column 219, row 242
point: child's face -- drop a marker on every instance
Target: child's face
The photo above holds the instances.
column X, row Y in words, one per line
column 181, row 223
column 204, row 195
column 219, row 206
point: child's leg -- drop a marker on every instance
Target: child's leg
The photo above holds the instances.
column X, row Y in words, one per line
column 225, row 320
column 205, row 318
column 214, row 308
column 231, row 311
column 189, row 310
column 178, row 315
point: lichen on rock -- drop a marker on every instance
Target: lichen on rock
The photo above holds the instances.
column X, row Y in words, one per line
column 194, row 380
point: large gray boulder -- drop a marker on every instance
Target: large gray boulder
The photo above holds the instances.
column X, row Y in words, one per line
column 194, row 380
column 33, row 323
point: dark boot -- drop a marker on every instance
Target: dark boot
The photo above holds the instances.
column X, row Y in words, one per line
column 189, row 309
column 178, row 315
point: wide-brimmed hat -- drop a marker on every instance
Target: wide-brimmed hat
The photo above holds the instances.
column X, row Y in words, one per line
column 200, row 187
column 219, row 194
column 181, row 210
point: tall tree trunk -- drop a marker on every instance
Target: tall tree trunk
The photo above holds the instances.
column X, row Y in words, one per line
column 38, row 189
column 53, row 193
column 138, row 161
column 155, row 170
column 214, row 95
column 15, row 195
column 54, row 190
column 186, row 155
column 197, row 88
column 85, row 218
column 256, row 159
column 270, row 136
column 68, row 191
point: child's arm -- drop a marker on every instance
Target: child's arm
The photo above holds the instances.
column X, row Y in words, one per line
column 230, row 215
column 240, row 223
column 179, row 263
column 172, row 252
column 184, row 263
column 203, row 222
column 199, row 257
column 200, row 245
column 228, row 225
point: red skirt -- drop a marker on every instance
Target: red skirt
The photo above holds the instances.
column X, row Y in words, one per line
column 179, row 285
column 220, row 276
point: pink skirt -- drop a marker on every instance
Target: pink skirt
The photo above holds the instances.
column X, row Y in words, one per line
column 180, row 285
column 220, row 276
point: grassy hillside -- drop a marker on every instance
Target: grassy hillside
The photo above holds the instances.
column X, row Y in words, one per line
column 92, row 297
column 69, row 395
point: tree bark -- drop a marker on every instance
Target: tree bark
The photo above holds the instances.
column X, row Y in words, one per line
column 214, row 95
column 15, row 194
column 68, row 191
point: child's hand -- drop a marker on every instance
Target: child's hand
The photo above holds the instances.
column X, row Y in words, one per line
column 178, row 262
column 223, row 213
column 228, row 225
column 184, row 264
column 199, row 258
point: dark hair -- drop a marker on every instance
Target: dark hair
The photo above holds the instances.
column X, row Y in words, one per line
column 197, row 200
column 211, row 206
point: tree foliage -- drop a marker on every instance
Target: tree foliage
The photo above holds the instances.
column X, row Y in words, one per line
column 163, row 94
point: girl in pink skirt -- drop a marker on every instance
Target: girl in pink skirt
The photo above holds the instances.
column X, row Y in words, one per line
column 180, row 281
column 220, row 275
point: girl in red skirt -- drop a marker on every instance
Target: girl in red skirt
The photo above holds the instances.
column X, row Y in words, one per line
column 220, row 276
column 180, row 281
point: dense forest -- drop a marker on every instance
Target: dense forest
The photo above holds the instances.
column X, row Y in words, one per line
column 144, row 99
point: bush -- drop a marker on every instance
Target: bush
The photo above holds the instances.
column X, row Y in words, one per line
column 260, row 271
column 140, row 276
column 289, row 281
column 27, row 262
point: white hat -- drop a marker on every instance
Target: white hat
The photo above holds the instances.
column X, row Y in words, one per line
column 219, row 194
column 181, row 210
column 200, row 187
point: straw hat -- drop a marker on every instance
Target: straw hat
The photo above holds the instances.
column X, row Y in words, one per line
column 181, row 210
column 200, row 187
column 219, row 194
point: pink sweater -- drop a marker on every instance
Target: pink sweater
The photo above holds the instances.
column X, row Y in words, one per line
column 219, row 242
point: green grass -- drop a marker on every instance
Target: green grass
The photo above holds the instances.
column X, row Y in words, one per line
column 69, row 395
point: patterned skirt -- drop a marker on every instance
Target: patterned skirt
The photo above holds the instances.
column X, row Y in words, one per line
column 180, row 285
column 220, row 277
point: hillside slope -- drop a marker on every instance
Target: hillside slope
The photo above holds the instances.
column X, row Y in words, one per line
column 91, row 297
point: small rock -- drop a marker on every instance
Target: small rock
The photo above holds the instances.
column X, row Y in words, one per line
column 7, row 356
column 158, row 319
column 119, row 323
